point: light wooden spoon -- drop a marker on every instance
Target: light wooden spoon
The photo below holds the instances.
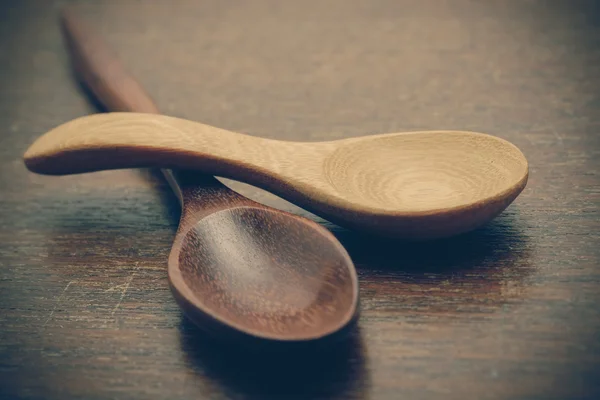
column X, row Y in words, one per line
column 238, row 269
column 412, row 185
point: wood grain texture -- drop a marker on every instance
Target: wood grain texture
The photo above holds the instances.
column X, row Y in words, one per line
column 415, row 185
column 509, row 311
column 240, row 270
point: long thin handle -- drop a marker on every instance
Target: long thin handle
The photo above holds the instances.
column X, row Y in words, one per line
column 100, row 69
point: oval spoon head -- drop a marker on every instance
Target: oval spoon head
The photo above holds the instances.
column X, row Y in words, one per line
column 265, row 273
column 424, row 185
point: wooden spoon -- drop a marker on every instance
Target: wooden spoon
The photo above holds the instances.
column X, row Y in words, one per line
column 412, row 185
column 236, row 267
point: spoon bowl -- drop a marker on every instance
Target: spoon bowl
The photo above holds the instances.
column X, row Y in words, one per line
column 422, row 171
column 417, row 185
column 424, row 185
column 272, row 278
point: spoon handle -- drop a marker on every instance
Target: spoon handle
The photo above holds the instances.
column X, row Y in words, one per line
column 100, row 69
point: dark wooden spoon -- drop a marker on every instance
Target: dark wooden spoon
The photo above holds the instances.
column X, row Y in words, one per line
column 236, row 267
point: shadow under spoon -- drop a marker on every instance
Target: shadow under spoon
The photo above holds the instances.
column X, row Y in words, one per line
column 237, row 268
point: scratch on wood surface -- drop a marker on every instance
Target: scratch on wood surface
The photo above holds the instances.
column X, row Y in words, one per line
column 125, row 289
column 557, row 136
column 58, row 301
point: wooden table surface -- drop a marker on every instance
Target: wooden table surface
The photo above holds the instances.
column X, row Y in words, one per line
column 509, row 311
